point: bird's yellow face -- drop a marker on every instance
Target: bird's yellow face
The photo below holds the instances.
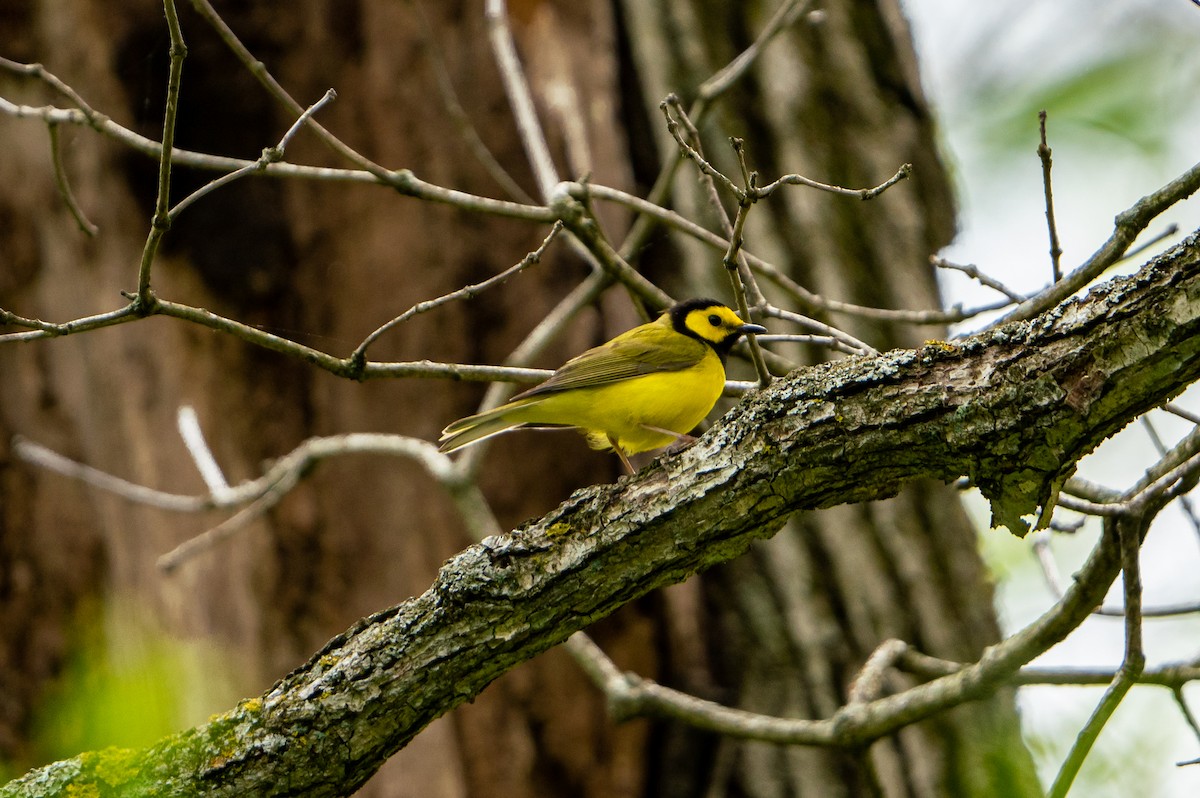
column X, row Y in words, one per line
column 713, row 324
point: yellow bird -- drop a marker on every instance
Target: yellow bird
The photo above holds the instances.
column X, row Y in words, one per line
column 642, row 390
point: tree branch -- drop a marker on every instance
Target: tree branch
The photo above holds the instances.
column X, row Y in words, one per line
column 1038, row 395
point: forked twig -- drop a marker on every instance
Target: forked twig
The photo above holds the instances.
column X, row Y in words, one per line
column 269, row 156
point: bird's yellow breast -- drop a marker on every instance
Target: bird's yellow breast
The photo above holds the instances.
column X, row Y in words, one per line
column 625, row 410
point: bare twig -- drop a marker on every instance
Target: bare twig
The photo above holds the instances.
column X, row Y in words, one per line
column 264, row 77
column 903, row 173
column 851, row 343
column 64, row 186
column 53, row 81
column 161, row 221
column 814, row 340
column 1185, row 710
column 269, row 156
column 460, row 118
column 785, row 15
column 39, row 329
column 1054, row 581
column 259, row 495
column 402, row 180
column 467, row 292
column 1132, row 665
column 740, row 278
column 36, row 454
column 342, row 367
column 1184, row 502
column 193, row 438
column 520, row 99
column 1043, row 152
column 735, row 267
column 868, row 684
column 1133, row 252
column 802, row 296
column 1129, row 224
column 1183, row 413
column 974, row 273
column 582, row 225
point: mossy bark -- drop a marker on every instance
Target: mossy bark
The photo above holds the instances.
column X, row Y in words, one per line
column 851, row 431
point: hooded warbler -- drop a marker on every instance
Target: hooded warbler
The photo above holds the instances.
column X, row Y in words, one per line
column 642, row 390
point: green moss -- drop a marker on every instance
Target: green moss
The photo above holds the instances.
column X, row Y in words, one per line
column 114, row 766
column 82, row 791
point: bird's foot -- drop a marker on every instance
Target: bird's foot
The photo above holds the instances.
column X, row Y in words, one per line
column 682, row 440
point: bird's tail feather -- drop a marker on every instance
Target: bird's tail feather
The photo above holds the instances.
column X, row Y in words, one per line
column 475, row 428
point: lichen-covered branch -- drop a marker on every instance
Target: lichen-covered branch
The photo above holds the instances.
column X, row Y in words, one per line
column 1013, row 409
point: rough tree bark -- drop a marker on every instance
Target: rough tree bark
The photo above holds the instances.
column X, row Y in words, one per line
column 1045, row 392
column 783, row 628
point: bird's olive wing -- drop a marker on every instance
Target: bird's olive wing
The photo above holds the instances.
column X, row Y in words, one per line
column 644, row 350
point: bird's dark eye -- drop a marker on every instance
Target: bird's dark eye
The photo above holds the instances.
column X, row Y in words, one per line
column 714, row 320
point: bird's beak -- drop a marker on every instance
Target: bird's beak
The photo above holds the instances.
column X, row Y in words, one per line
column 757, row 329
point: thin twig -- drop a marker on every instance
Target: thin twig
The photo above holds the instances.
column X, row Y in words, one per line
column 1053, row 580
column 903, row 173
column 733, row 263
column 161, row 220
column 36, row 454
column 460, row 117
column 784, row 17
column 264, row 492
column 582, row 225
column 467, row 292
column 740, row 278
column 974, row 273
column 64, row 185
column 342, row 367
column 53, row 81
column 1043, row 152
column 1166, row 233
column 799, row 294
column 520, row 99
column 273, row 87
column 269, row 156
column 1183, row 413
column 39, row 329
column 814, row 340
column 659, row 194
column 1128, row 226
column 868, row 684
column 403, row 181
column 853, row 344
column 188, row 424
column 1132, row 665
column 1188, row 715
column 1184, row 502
column 213, row 536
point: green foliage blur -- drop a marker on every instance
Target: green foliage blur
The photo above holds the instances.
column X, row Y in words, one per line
column 125, row 684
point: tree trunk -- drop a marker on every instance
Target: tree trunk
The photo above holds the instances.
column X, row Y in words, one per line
column 782, row 630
